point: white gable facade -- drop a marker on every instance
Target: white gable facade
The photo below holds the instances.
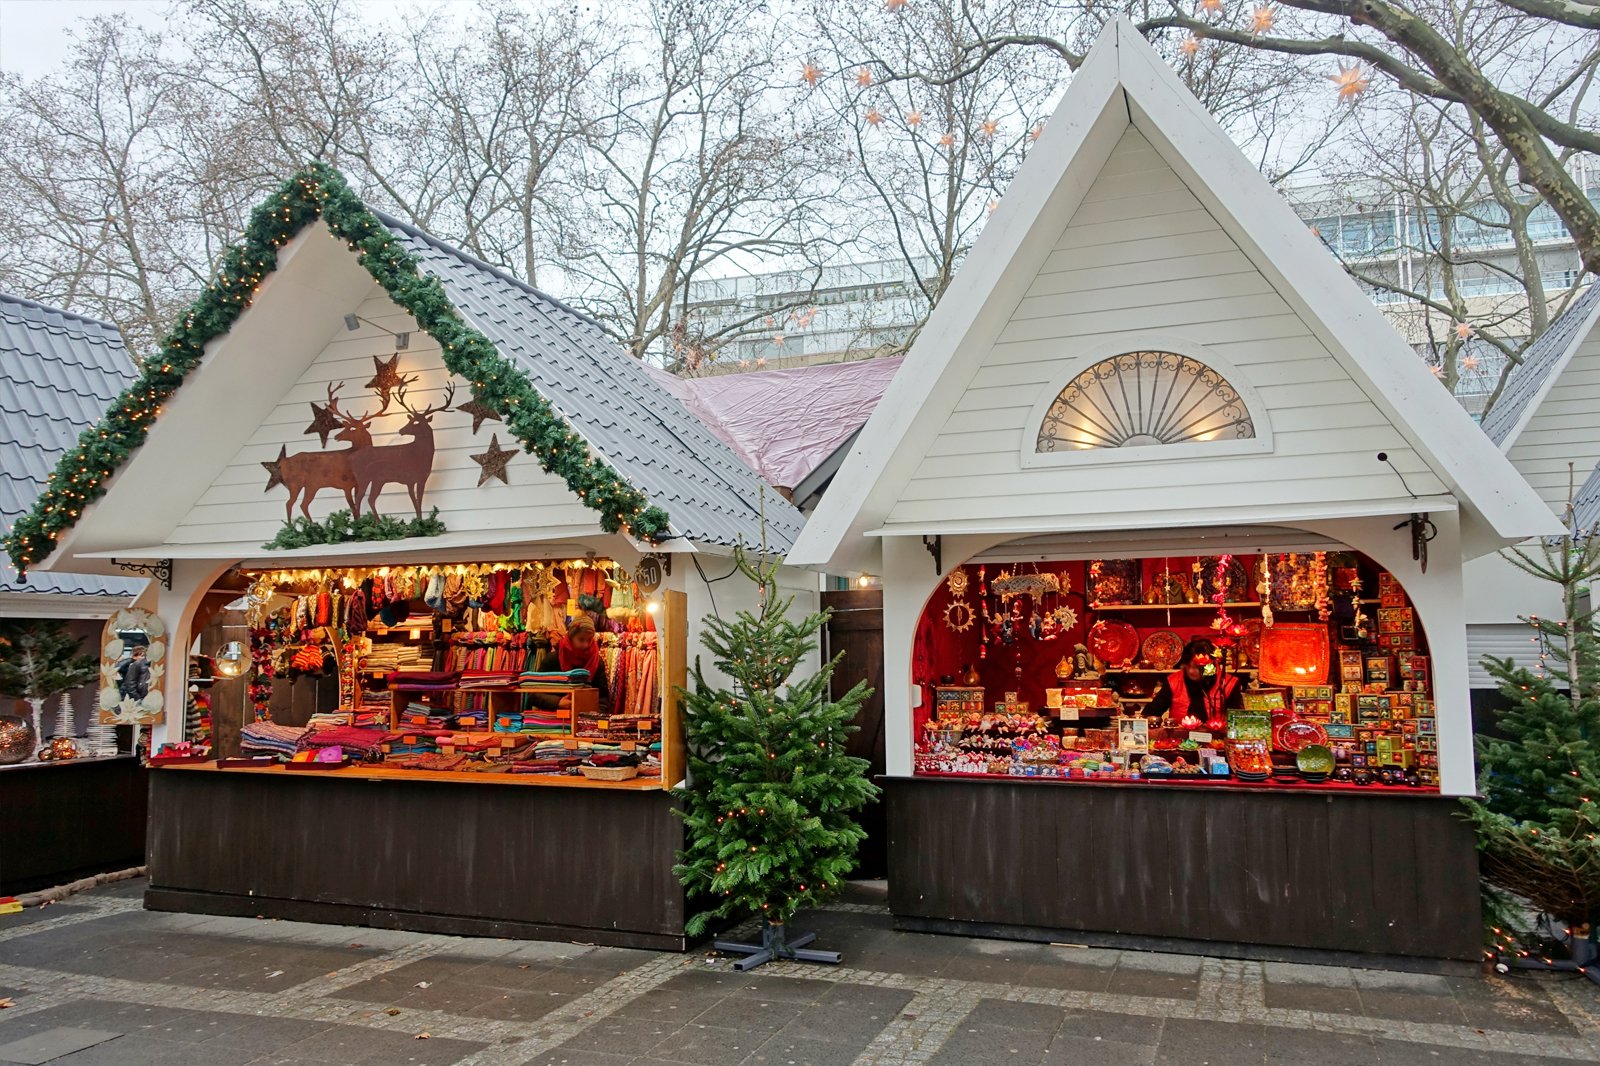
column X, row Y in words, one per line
column 1273, row 405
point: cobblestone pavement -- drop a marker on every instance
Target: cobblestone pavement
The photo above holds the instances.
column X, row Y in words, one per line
column 97, row 981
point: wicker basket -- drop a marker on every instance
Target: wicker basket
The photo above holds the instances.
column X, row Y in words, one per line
column 609, row 773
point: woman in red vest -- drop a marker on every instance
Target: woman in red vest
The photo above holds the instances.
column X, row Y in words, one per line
column 1197, row 690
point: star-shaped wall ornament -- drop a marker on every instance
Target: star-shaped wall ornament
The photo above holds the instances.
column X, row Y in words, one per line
column 275, row 469
column 323, row 421
column 494, row 460
column 387, row 378
column 479, row 413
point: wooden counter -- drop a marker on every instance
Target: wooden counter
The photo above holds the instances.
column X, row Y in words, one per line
column 60, row 821
column 541, row 859
column 1254, row 873
column 449, row 777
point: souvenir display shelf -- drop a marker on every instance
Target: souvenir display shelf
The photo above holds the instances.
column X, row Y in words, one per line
column 1358, row 703
column 442, row 686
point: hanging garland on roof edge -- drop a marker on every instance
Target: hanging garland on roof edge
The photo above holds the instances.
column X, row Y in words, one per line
column 320, row 191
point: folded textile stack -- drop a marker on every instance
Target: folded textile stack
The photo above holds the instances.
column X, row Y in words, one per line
column 424, row 680
column 368, row 719
column 508, row 723
column 270, row 738
column 474, row 719
column 553, row 677
column 537, row 721
column 329, row 718
column 424, row 715
column 434, row 761
column 357, row 743
column 545, row 766
column 496, row 679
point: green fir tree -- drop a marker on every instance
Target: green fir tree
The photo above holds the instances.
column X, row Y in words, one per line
column 770, row 805
column 1538, row 812
column 38, row 662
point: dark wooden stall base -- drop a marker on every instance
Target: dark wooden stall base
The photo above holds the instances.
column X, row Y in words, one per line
column 1294, row 876
column 63, row 821
column 590, row 865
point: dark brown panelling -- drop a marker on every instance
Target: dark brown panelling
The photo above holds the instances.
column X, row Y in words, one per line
column 63, row 821
column 531, row 858
column 1364, row 873
column 856, row 631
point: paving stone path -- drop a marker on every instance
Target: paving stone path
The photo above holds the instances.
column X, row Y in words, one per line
column 97, row 981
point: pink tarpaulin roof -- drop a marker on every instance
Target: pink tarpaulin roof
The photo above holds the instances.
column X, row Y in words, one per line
column 785, row 423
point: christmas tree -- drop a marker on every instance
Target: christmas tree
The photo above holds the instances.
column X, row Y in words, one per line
column 39, row 661
column 769, row 809
column 1538, row 812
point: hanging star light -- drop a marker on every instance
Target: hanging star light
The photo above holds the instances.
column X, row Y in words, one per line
column 761, row 361
column 1262, row 19
column 1351, row 81
column 894, row 5
column 1211, row 7
column 947, row 139
column 1037, row 132
column 494, row 461
column 1470, row 362
column 993, row 204
column 989, row 128
column 1190, row 45
column 874, row 117
column 1438, row 371
column 1464, row 330
column 777, row 340
column 809, row 73
column 913, row 119
column 863, row 77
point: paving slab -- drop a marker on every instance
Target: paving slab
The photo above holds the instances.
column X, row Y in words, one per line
column 49, row 1044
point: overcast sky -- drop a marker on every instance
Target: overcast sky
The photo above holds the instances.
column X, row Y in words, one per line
column 33, row 33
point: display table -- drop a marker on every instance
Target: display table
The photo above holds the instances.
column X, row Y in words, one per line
column 1258, row 873
column 467, row 854
column 70, row 819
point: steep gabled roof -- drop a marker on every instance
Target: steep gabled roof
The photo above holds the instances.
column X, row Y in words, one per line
column 1529, row 383
column 623, row 445
column 639, row 427
column 58, row 371
column 1123, row 83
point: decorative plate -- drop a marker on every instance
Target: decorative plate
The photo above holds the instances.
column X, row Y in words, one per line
column 1113, row 643
column 1297, row 735
column 1315, row 759
column 1162, row 649
column 1236, row 585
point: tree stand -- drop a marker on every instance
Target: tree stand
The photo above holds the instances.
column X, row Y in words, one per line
column 1584, row 957
column 776, row 945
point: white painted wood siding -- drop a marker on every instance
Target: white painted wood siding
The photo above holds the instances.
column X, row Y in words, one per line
column 1565, row 429
column 235, row 508
column 1142, row 255
column 1513, row 641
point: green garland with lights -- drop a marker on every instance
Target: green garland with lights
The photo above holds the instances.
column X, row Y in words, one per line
column 341, row 528
column 320, row 191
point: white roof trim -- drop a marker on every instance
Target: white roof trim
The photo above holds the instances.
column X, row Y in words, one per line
column 1123, row 81
column 1542, row 393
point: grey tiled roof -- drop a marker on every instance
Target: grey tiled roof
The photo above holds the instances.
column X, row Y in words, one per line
column 635, row 424
column 1586, row 504
column 58, row 371
column 1542, row 359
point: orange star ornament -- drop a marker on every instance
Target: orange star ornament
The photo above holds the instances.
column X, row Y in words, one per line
column 810, row 73
column 1351, row 81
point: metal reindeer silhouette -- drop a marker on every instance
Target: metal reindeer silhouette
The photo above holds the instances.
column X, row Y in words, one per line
column 361, row 470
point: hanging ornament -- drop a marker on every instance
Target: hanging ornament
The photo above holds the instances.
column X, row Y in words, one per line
column 1037, row 131
column 809, row 73
column 958, row 616
column 993, row 206
column 1065, row 617
column 863, row 77
column 874, row 117
column 913, row 119
column 1264, row 590
column 1464, row 331
column 1469, row 362
column 894, row 6
column 947, row 139
column 989, row 128
column 958, row 582
column 1351, row 81
column 1319, row 583
column 1190, row 45
column 1211, row 7
column 1262, row 19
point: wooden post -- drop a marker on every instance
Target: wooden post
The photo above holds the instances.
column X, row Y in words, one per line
column 672, row 659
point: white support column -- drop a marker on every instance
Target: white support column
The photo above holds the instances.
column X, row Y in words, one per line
column 176, row 607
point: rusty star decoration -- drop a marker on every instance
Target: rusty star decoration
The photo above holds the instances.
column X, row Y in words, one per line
column 274, row 470
column 494, row 461
column 479, row 413
column 387, row 377
column 323, row 421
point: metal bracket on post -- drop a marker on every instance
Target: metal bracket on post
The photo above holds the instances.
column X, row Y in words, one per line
column 1422, row 531
column 161, row 570
column 935, row 546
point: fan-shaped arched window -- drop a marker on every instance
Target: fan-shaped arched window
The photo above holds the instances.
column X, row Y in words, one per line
column 1144, row 398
